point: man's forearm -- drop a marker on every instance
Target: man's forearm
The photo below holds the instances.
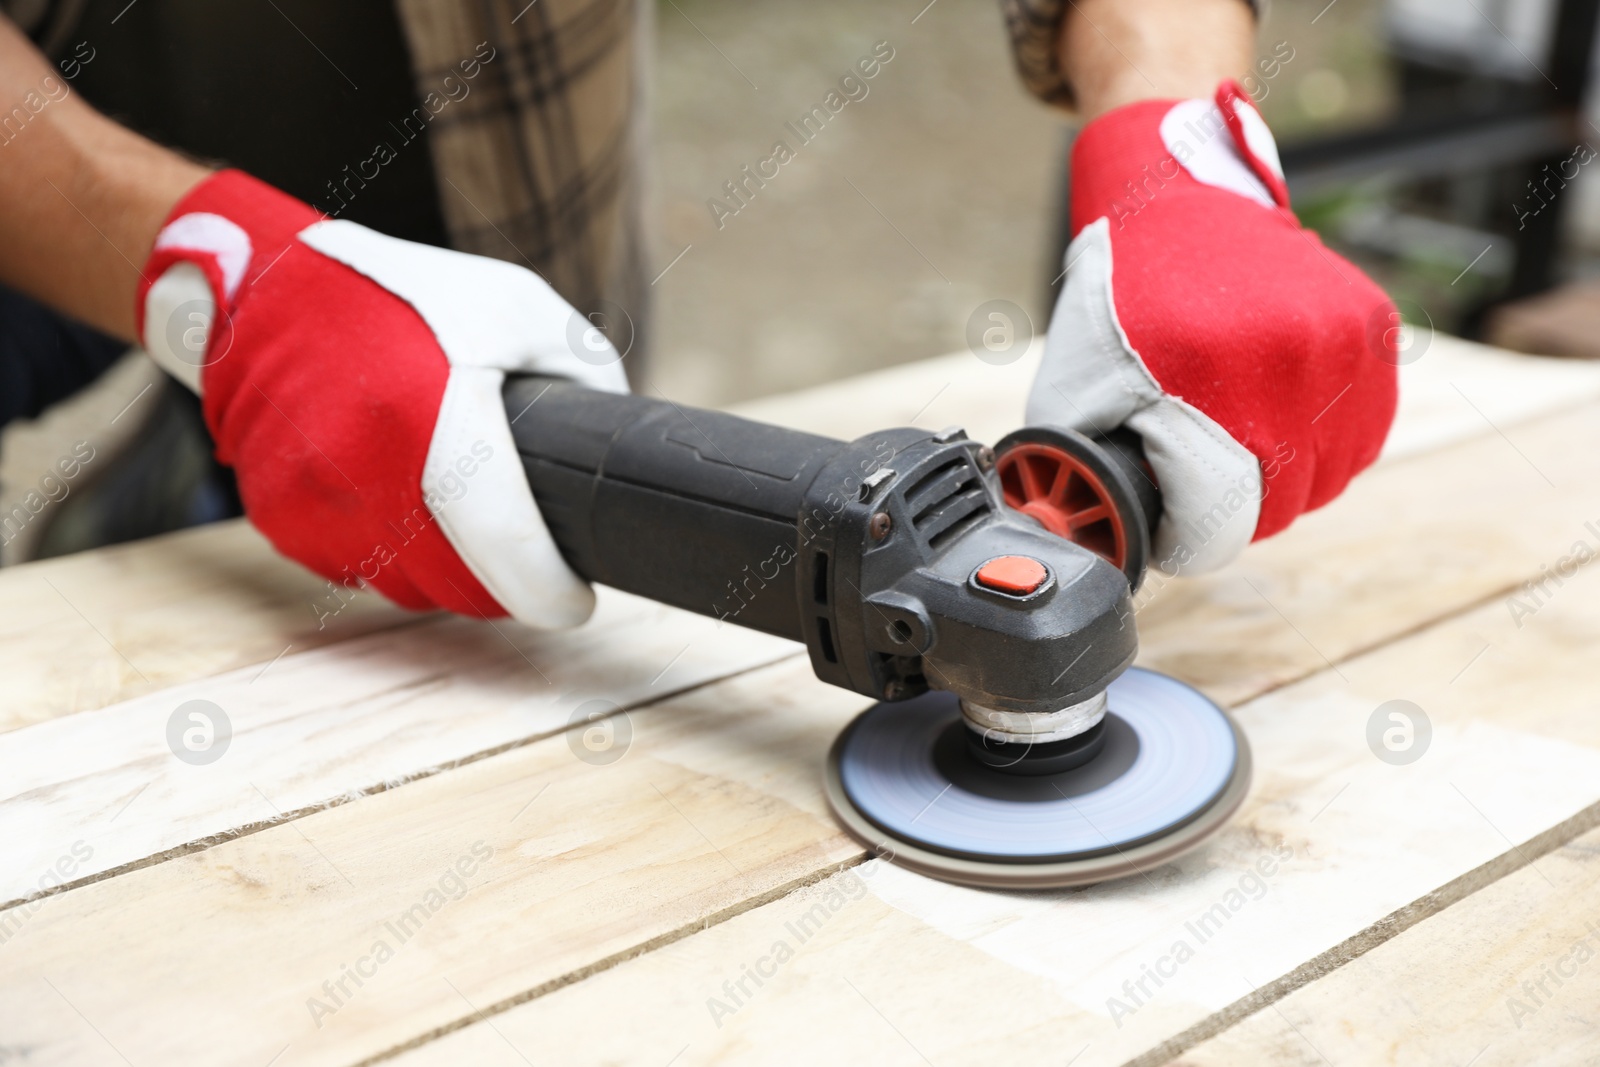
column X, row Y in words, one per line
column 81, row 198
column 1118, row 51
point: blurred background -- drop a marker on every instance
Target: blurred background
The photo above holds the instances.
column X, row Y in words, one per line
column 1441, row 144
column 1410, row 129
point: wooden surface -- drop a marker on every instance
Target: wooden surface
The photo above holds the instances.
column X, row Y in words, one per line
column 405, row 810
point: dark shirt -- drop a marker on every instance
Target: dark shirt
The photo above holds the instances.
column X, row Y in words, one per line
column 293, row 91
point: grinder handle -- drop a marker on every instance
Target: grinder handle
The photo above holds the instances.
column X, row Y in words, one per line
column 686, row 507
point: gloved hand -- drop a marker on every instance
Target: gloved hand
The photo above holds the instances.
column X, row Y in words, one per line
column 1256, row 365
column 353, row 380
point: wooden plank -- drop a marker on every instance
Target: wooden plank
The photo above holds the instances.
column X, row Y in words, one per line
column 321, row 727
column 578, row 862
column 84, row 631
column 1412, row 539
column 878, row 965
column 123, row 781
column 188, row 605
column 1505, row 976
column 602, row 878
column 1456, row 389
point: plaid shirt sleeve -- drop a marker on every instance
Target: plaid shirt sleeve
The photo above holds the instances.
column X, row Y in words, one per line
column 540, row 164
column 1035, row 27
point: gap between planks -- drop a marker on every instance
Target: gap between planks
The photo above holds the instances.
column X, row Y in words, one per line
column 1386, row 928
column 716, row 918
column 1434, row 413
column 937, row 369
column 200, row 844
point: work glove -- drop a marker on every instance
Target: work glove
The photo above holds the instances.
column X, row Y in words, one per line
column 1256, row 365
column 353, row 383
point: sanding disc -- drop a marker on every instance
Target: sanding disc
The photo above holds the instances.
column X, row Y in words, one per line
column 1173, row 769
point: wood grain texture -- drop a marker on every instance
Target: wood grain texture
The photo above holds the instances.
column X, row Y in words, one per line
column 1454, row 390
column 221, row 955
column 322, row 727
column 745, row 752
column 1411, row 540
column 877, row 965
column 85, row 631
column 1507, row 976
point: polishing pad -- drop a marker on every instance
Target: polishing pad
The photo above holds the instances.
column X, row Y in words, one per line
column 1173, row 767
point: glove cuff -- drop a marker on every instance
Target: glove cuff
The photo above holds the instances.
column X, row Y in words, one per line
column 224, row 233
column 1153, row 150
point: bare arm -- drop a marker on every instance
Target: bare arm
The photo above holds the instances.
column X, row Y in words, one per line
column 1118, row 51
column 81, row 198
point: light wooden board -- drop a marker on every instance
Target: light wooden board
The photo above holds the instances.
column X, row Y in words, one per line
column 1507, row 976
column 406, row 702
column 218, row 952
column 893, row 968
column 745, row 754
column 325, row 726
column 179, row 593
column 84, row 631
column 1473, row 553
column 1456, row 389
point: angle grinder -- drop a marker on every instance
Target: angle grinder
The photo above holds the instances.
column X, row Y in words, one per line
column 982, row 596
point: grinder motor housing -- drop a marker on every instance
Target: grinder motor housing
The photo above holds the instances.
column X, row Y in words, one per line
column 871, row 552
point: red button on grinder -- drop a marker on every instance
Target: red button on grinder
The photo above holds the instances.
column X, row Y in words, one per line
column 1016, row 575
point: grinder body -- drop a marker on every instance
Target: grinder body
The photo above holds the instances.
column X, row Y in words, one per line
column 867, row 551
column 984, row 598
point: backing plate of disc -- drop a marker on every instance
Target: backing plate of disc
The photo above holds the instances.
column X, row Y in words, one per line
column 1174, row 768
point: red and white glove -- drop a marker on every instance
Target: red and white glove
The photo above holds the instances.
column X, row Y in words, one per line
column 353, row 380
column 1256, row 365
